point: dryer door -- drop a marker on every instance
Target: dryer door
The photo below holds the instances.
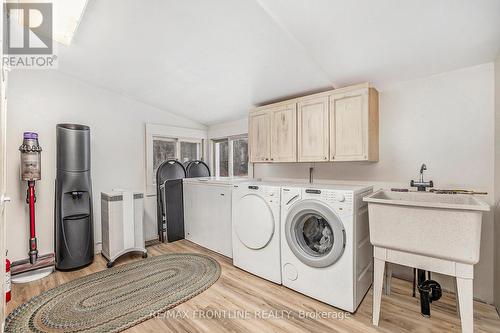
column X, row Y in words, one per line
column 315, row 233
column 253, row 221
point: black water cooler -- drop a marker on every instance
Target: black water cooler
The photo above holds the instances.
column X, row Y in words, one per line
column 74, row 232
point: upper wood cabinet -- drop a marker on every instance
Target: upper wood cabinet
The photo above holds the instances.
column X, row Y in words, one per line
column 273, row 134
column 336, row 125
column 312, row 125
column 354, row 125
column 259, row 136
column 284, row 133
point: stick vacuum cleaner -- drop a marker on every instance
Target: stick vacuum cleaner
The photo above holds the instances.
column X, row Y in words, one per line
column 31, row 172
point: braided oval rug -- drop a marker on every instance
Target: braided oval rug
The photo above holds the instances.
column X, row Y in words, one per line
column 117, row 298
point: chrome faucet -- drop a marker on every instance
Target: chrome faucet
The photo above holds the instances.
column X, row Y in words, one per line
column 422, row 169
column 422, row 185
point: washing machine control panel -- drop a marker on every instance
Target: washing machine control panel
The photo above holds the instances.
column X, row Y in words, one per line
column 341, row 201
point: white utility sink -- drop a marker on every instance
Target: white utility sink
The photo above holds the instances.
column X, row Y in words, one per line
column 433, row 232
column 446, row 226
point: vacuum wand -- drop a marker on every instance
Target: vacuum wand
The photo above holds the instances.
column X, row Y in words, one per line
column 33, row 254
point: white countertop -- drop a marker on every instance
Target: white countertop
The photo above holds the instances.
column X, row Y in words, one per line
column 216, row 180
column 357, row 188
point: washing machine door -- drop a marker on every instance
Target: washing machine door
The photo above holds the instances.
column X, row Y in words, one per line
column 314, row 233
column 253, row 221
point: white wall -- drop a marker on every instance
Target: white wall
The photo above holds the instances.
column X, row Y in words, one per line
column 38, row 100
column 446, row 121
column 497, row 185
column 229, row 128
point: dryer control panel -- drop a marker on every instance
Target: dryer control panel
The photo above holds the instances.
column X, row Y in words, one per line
column 270, row 193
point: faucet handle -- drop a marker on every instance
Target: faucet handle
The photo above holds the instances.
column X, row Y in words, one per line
column 421, row 185
column 423, row 168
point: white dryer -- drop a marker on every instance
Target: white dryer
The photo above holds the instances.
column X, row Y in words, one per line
column 325, row 249
column 256, row 229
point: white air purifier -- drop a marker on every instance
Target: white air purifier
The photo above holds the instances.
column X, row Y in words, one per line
column 122, row 228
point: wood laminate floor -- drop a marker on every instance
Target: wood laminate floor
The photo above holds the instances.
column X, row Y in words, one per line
column 241, row 302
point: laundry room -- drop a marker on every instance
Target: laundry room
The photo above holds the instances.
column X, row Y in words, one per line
column 250, row 166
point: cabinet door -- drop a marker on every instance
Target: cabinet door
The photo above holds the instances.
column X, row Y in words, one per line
column 349, row 126
column 259, row 135
column 313, row 129
column 284, row 134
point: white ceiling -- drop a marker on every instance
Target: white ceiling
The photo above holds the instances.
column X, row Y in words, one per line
column 214, row 60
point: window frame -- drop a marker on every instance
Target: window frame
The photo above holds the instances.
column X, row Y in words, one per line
column 179, row 134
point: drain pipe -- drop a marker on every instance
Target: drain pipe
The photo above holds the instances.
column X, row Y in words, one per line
column 429, row 289
column 311, row 174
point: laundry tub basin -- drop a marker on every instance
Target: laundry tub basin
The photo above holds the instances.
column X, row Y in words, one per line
column 444, row 226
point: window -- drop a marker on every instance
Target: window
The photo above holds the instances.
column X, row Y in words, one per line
column 163, row 149
column 164, row 142
column 230, row 157
column 221, row 158
column 67, row 15
column 182, row 150
column 240, row 157
column 190, row 151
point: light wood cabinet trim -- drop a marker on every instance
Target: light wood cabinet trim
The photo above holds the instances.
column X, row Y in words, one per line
column 326, row 93
column 373, row 126
column 276, row 105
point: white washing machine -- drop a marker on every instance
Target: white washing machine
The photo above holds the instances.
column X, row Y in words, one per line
column 256, row 229
column 325, row 247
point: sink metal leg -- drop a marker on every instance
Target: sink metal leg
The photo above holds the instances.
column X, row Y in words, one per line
column 378, row 281
column 464, row 297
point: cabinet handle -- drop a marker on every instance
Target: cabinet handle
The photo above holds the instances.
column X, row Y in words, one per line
column 267, row 159
column 326, row 158
column 272, row 159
